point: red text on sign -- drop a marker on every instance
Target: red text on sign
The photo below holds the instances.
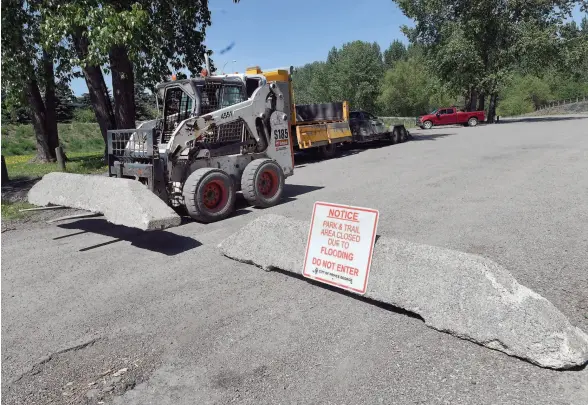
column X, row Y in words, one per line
column 343, row 214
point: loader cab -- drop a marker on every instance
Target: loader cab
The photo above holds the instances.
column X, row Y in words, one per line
column 183, row 99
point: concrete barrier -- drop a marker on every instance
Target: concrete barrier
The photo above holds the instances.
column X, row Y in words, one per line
column 466, row 295
column 122, row 201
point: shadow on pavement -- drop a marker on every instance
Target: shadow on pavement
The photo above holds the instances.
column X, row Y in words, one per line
column 291, row 191
column 541, row 119
column 163, row 242
column 431, row 137
column 302, row 159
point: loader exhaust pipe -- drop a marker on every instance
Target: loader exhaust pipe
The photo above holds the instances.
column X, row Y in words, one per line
column 207, row 61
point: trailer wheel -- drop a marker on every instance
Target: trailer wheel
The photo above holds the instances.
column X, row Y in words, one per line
column 395, row 136
column 328, row 151
column 472, row 122
column 209, row 195
column 405, row 135
column 262, row 183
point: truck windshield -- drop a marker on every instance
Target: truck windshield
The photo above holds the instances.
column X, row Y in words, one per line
column 434, row 111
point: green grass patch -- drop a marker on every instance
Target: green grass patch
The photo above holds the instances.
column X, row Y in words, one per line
column 10, row 210
column 79, row 162
column 74, row 137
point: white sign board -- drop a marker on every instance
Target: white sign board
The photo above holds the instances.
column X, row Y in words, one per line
column 340, row 245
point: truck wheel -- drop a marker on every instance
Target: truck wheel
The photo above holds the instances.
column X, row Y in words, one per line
column 328, row 151
column 472, row 122
column 209, row 195
column 262, row 183
column 427, row 125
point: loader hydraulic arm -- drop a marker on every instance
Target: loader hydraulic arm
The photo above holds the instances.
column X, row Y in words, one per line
column 254, row 112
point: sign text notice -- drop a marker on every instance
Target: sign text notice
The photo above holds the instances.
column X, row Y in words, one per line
column 340, row 245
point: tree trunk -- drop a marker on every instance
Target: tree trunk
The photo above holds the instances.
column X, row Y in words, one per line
column 50, row 103
column 473, row 100
column 96, row 88
column 123, row 84
column 482, row 102
column 492, row 108
column 38, row 118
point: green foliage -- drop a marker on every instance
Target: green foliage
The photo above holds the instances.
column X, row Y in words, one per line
column 159, row 36
column 478, row 44
column 395, row 52
column 75, row 137
column 524, row 95
column 410, row 89
column 84, row 115
column 352, row 73
column 145, row 107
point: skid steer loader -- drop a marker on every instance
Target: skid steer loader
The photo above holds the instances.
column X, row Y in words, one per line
column 211, row 141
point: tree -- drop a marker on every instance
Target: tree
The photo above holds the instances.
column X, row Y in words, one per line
column 477, row 44
column 137, row 42
column 410, row 89
column 395, row 53
column 355, row 72
column 64, row 106
column 28, row 72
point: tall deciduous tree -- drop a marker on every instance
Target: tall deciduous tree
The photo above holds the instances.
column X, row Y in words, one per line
column 476, row 44
column 140, row 41
column 395, row 53
column 28, row 75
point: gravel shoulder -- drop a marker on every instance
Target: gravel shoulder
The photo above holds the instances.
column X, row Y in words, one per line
column 82, row 300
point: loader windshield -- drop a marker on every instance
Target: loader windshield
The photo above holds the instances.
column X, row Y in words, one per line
column 177, row 107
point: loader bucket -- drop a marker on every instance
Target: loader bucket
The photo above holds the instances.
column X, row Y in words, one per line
column 122, row 201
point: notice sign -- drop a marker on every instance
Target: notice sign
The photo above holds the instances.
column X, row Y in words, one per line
column 340, row 245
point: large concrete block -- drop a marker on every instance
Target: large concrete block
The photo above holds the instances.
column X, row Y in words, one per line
column 122, row 201
column 468, row 296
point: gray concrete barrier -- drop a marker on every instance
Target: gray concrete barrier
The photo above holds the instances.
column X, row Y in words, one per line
column 122, row 201
column 466, row 295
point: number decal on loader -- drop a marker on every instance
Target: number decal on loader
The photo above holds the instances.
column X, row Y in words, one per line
column 281, row 138
column 226, row 115
column 281, row 133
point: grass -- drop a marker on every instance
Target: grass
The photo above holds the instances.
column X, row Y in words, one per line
column 74, row 137
column 10, row 210
column 79, row 162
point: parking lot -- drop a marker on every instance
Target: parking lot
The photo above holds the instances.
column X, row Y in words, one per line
column 84, row 300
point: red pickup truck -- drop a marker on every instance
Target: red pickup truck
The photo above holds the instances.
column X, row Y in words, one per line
column 450, row 116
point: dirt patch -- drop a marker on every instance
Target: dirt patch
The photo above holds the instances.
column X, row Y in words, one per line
column 91, row 373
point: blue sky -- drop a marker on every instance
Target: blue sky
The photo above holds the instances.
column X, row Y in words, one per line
column 277, row 33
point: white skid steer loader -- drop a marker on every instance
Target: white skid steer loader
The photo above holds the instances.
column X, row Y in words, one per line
column 210, row 142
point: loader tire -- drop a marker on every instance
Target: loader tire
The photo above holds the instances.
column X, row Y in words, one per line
column 209, row 195
column 262, row 183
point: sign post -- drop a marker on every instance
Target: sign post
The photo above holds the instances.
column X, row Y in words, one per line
column 340, row 245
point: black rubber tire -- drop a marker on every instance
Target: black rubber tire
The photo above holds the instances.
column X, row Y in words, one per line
column 193, row 192
column 250, row 183
column 328, row 151
column 396, row 136
column 425, row 124
column 472, row 122
column 403, row 135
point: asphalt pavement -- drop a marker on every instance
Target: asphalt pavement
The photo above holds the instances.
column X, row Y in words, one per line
column 93, row 312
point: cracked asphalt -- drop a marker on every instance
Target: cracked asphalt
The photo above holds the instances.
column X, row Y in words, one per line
column 83, row 300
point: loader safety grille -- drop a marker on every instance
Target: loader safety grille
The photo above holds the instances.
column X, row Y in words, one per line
column 231, row 132
column 131, row 145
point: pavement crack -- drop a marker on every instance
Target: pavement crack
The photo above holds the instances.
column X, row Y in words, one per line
column 34, row 369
